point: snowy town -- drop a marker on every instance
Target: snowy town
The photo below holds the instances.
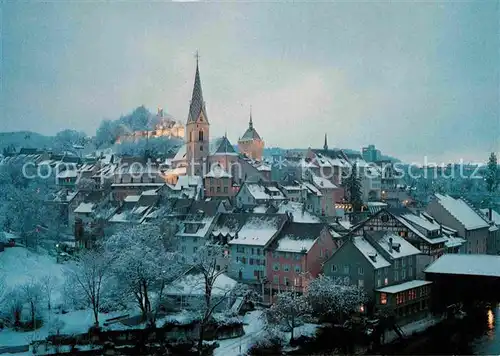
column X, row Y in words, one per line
column 155, row 235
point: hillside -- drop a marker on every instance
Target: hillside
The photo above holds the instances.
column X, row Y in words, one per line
column 21, row 139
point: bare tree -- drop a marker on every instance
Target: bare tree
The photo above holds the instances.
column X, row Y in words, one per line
column 207, row 262
column 32, row 292
column 48, row 283
column 89, row 277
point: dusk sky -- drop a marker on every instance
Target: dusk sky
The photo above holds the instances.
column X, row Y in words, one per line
column 415, row 79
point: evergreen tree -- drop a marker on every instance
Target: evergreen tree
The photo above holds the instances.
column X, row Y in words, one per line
column 492, row 175
column 352, row 185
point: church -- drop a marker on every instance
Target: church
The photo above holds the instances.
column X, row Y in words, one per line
column 223, row 169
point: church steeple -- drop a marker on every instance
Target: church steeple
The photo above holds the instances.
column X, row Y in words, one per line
column 197, row 105
column 325, row 145
column 250, row 123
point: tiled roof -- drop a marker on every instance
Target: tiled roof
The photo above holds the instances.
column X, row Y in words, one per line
column 197, row 104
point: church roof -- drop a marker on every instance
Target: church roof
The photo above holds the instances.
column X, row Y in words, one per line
column 221, row 145
column 250, row 134
column 197, row 104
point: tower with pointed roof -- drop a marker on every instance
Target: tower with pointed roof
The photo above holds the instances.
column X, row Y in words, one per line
column 197, row 130
column 325, row 145
column 251, row 143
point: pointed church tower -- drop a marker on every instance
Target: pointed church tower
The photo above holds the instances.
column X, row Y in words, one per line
column 325, row 145
column 197, row 129
column 251, row 143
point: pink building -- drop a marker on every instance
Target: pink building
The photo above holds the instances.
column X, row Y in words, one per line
column 296, row 255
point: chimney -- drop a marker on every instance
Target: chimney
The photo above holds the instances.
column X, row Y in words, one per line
column 490, row 214
column 390, row 244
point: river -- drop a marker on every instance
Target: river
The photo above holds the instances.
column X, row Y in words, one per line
column 477, row 334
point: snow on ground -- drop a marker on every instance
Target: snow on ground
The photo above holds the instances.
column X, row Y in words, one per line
column 19, row 265
column 76, row 322
column 413, row 328
column 254, row 331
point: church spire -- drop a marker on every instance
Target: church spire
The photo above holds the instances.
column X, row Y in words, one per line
column 325, row 146
column 250, row 123
column 197, row 105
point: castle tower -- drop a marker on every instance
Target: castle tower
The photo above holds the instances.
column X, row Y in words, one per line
column 197, row 130
column 250, row 143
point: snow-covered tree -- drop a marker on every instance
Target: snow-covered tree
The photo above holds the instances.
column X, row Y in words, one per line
column 352, row 185
column 492, row 174
column 145, row 262
column 86, row 184
column 49, row 282
column 66, row 139
column 89, row 278
column 288, row 311
column 32, row 293
column 328, row 296
column 207, row 262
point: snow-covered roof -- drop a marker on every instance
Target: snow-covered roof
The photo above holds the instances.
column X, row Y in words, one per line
column 298, row 237
column 462, row 264
column 369, row 252
column 312, row 188
column 495, row 216
column 288, row 244
column 403, row 286
column 84, row 208
column 323, row 182
column 422, row 222
column 202, row 227
column 188, row 181
column 264, row 168
column 181, row 153
column 260, row 191
column 217, row 172
column 454, row 241
column 179, row 171
column 194, row 284
column 132, row 198
column 462, row 212
column 298, row 212
column 150, row 192
column 68, row 173
column 258, row 230
column 405, row 248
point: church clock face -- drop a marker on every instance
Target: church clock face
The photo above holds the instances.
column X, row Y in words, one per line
column 384, row 218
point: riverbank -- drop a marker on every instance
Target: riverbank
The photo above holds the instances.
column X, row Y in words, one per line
column 413, row 328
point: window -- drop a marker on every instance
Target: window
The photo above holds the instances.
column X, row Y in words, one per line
column 346, row 269
column 297, row 256
column 258, row 251
column 286, row 268
column 274, row 254
column 396, row 263
column 240, row 249
column 225, row 189
column 286, row 282
column 379, row 282
column 276, row 266
column 297, row 269
column 252, row 251
column 334, row 268
column 386, row 281
column 276, row 279
column 396, row 276
column 201, row 148
column 383, row 298
column 410, row 260
column 211, row 189
column 361, row 271
column 361, row 283
column 195, row 249
column 218, row 189
column 183, row 249
column 403, row 261
column 403, row 274
column 200, row 135
column 251, row 261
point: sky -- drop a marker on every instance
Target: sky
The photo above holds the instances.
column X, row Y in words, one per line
column 416, row 79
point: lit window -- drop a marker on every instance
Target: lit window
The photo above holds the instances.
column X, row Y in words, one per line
column 386, row 281
column 383, row 298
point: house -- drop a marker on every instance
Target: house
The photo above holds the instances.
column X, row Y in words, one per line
column 376, row 261
column 430, row 241
column 296, row 255
column 197, row 224
column 462, row 217
column 322, row 195
column 252, row 194
column 296, row 210
column 247, row 236
column 493, row 219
